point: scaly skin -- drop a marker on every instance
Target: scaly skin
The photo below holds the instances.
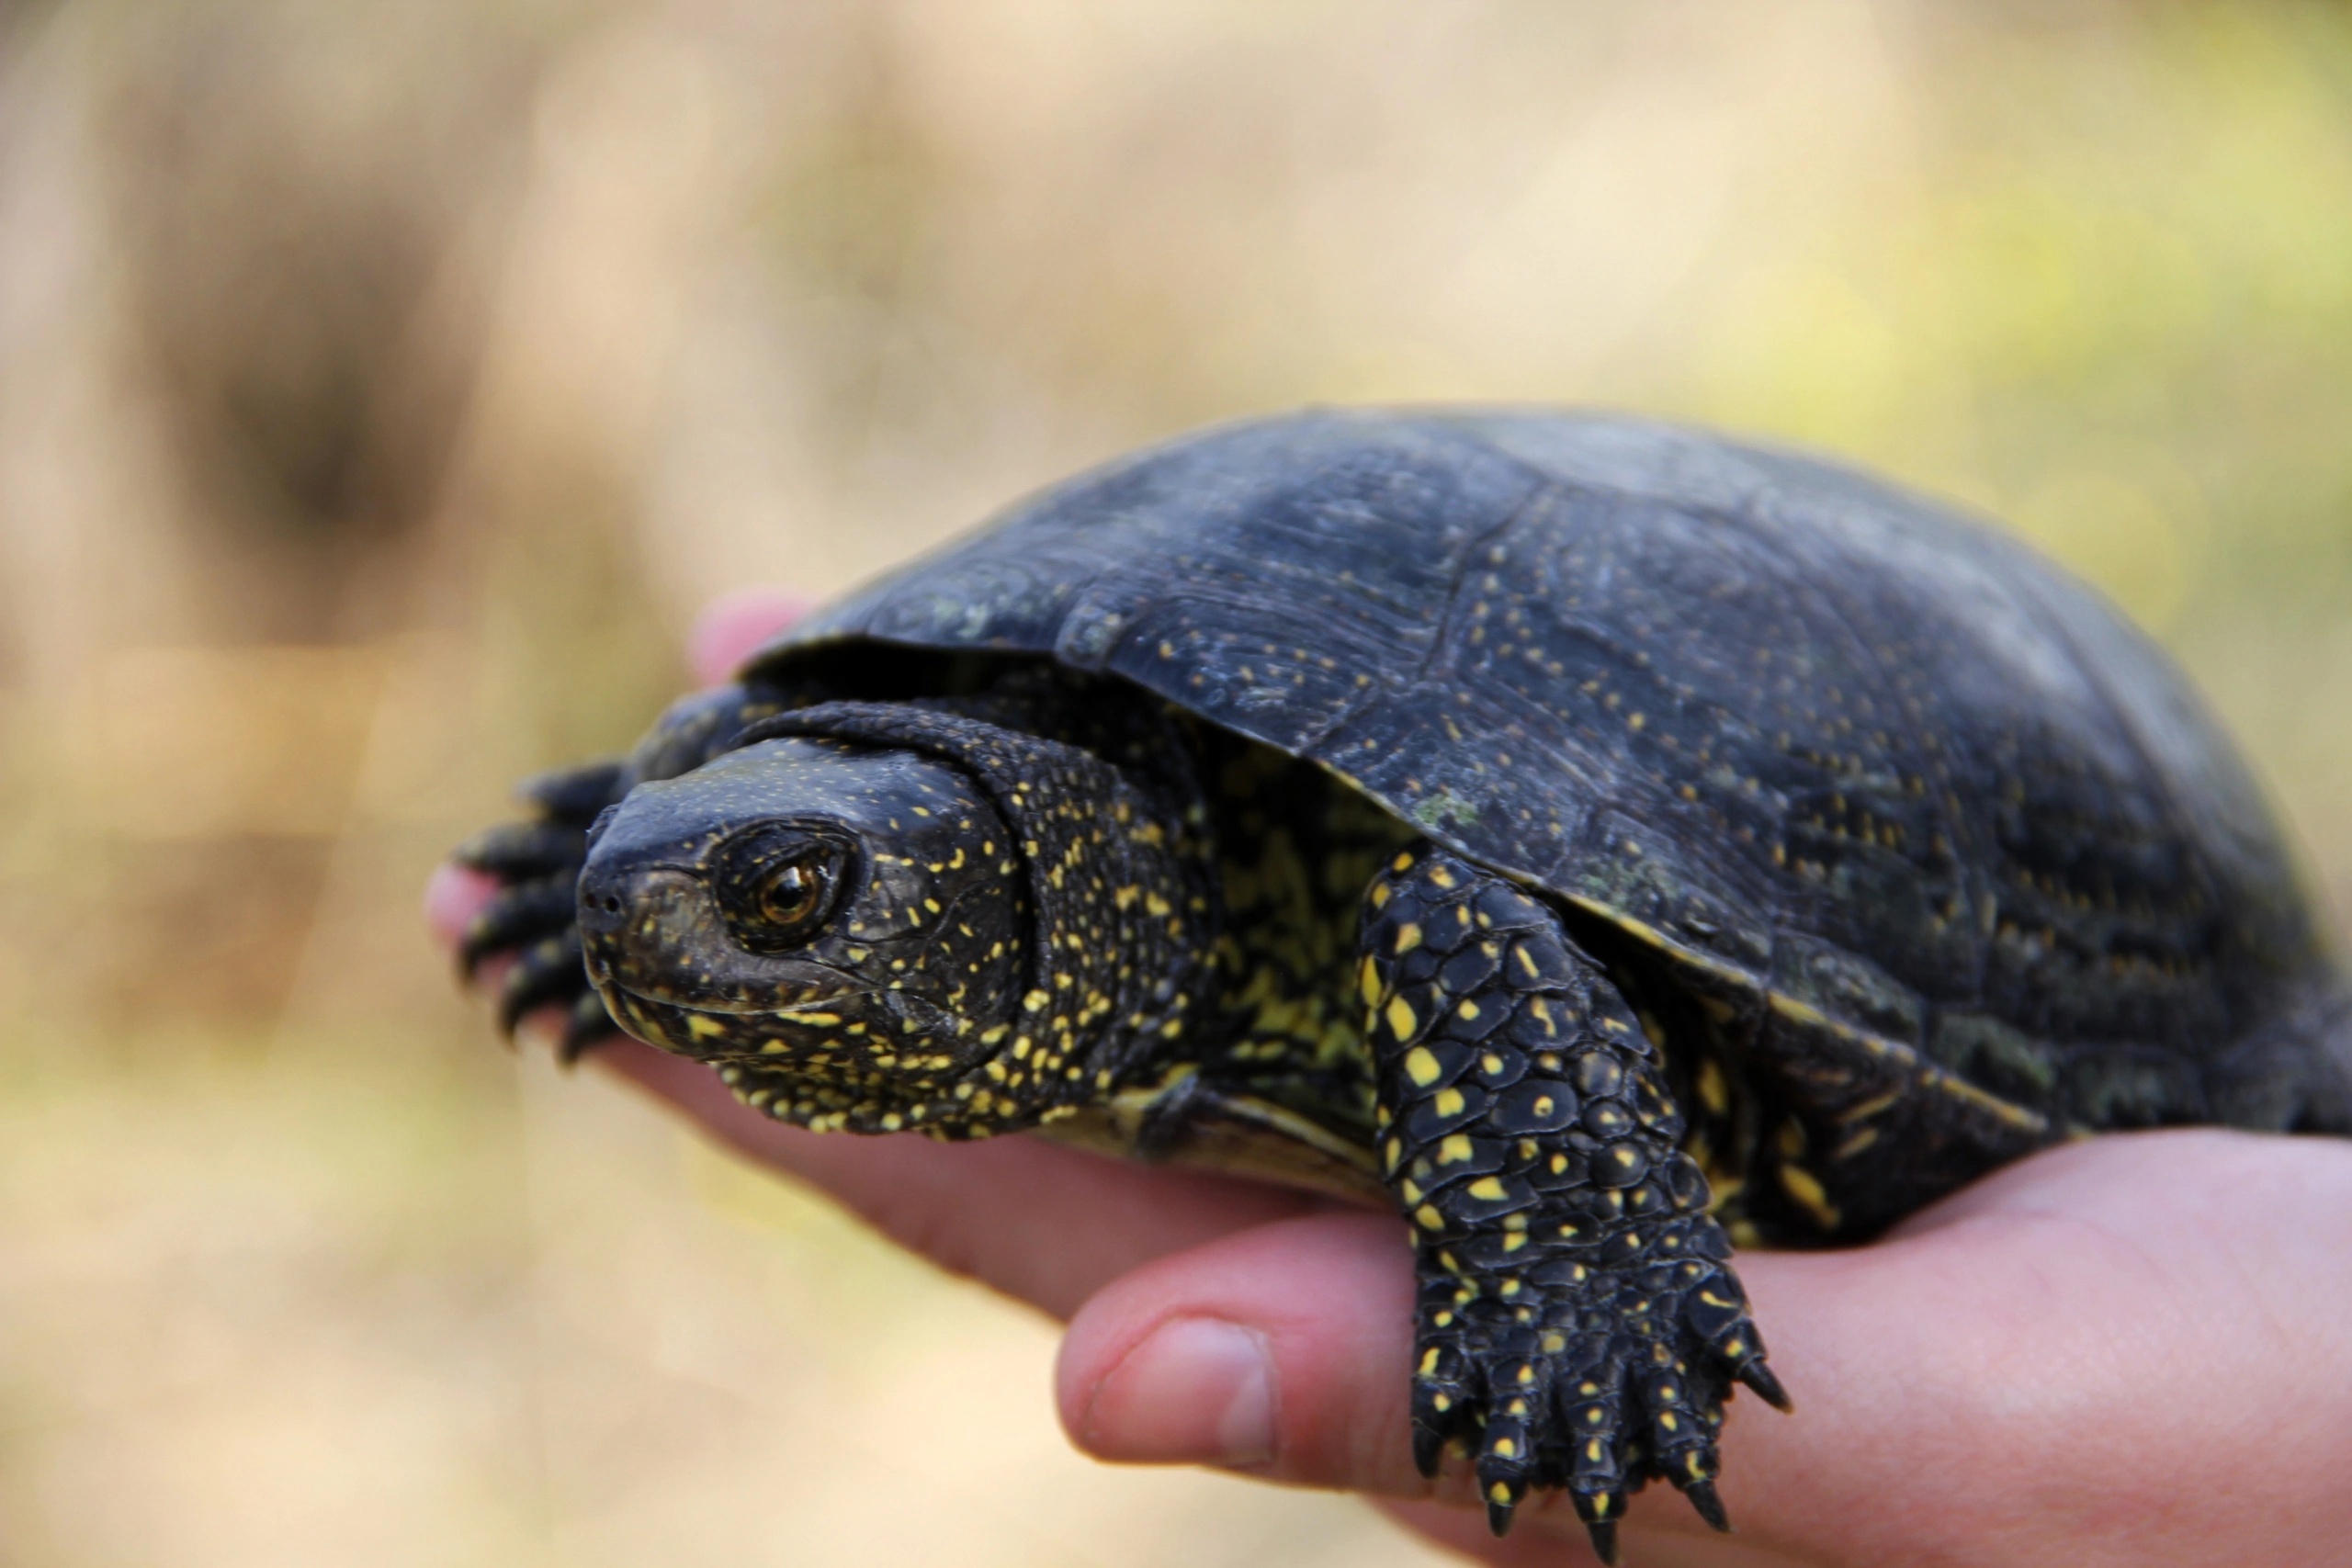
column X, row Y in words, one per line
column 1580, row 1323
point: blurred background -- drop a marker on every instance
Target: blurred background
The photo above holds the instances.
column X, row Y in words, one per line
column 383, row 385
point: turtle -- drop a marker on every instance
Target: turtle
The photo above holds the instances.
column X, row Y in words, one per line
column 1608, row 844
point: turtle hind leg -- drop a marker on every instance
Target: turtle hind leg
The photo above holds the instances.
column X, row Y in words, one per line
column 1579, row 1326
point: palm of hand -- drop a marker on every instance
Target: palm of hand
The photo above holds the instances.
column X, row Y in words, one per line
column 2131, row 1350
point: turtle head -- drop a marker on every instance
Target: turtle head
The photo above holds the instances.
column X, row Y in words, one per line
column 840, row 929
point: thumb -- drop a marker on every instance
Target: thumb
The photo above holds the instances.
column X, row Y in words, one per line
column 1282, row 1350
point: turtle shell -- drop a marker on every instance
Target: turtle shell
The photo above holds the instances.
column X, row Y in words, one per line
column 1833, row 751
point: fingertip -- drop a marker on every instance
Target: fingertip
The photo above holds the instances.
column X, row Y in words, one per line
column 1284, row 1349
column 1193, row 1390
column 736, row 622
column 453, row 894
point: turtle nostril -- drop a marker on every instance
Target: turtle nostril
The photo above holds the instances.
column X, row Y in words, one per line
column 612, row 904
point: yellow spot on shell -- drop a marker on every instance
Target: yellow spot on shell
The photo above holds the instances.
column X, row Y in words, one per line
column 1429, row 1219
column 1449, row 1102
column 1420, row 1066
column 1408, row 937
column 701, row 1028
column 1370, row 982
column 1401, row 1022
column 1429, row 1361
column 1488, row 1188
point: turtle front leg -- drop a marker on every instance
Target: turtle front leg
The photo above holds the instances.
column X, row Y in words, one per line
column 1579, row 1323
column 533, row 919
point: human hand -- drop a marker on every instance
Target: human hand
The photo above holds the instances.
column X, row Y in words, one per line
column 2131, row 1351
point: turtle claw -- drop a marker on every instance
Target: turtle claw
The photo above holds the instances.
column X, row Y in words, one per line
column 1604, row 1539
column 1499, row 1513
column 1709, row 1503
column 524, row 851
column 573, row 796
column 1759, row 1379
column 532, row 917
column 520, row 913
column 589, row 1026
column 548, row 971
column 1429, row 1450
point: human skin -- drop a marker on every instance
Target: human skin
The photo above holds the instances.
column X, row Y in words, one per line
column 2131, row 1351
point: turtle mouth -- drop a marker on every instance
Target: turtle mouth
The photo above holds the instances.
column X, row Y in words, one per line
column 812, row 1010
column 731, row 1030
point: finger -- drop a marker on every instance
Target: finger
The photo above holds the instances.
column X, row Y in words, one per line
column 734, row 624
column 1049, row 1225
column 453, row 894
column 2119, row 1348
column 1281, row 1351
column 1285, row 1351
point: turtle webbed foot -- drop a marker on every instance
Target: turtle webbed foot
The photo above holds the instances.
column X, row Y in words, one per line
column 532, row 920
column 1617, row 1377
column 1579, row 1324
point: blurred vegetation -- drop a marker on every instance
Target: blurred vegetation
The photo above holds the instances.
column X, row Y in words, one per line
column 382, row 386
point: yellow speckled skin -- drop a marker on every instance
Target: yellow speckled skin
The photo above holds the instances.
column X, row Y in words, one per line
column 1580, row 1322
column 1623, row 842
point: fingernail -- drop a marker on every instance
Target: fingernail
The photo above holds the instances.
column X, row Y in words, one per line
column 1197, row 1391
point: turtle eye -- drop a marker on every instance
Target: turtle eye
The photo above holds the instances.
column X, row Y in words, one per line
column 779, row 887
column 793, row 893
